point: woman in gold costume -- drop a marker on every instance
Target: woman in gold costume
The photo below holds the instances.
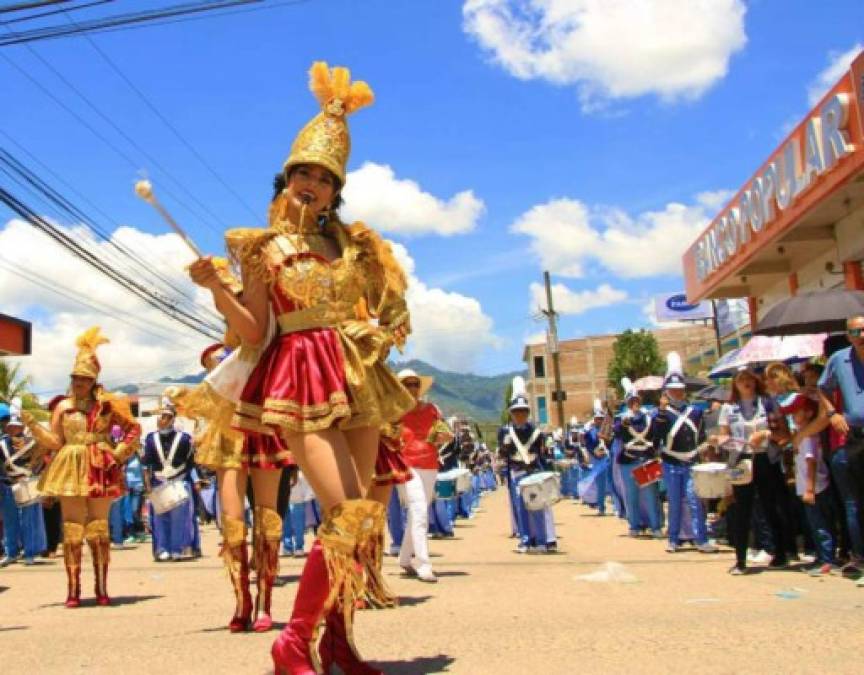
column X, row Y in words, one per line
column 320, row 390
column 86, row 471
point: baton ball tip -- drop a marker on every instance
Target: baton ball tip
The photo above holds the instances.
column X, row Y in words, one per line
column 144, row 189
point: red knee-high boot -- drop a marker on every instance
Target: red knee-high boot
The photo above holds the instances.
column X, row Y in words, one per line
column 330, row 578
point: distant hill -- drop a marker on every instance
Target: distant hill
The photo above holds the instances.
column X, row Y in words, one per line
column 480, row 397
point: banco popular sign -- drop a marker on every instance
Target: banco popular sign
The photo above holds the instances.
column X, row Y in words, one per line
column 779, row 185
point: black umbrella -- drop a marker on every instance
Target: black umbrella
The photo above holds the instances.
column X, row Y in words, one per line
column 693, row 383
column 820, row 312
column 714, row 392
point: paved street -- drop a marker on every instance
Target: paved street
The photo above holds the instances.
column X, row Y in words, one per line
column 493, row 612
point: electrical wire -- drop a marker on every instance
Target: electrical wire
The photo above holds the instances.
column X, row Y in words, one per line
column 63, row 207
column 19, row 207
column 62, row 10
column 36, row 4
column 147, row 102
column 153, row 16
column 112, row 312
column 128, row 138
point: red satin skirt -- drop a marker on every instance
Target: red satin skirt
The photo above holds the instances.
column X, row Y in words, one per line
column 298, row 386
column 390, row 467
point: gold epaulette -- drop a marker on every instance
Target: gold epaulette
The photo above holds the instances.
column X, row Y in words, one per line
column 245, row 247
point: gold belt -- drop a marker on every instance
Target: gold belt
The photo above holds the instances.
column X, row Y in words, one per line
column 306, row 319
column 88, row 438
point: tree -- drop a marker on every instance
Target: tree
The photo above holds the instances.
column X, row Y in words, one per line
column 635, row 355
column 508, row 396
column 14, row 385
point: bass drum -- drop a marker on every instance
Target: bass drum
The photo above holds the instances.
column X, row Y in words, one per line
column 168, row 496
column 540, row 490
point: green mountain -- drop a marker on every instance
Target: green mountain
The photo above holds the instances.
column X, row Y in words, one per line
column 477, row 396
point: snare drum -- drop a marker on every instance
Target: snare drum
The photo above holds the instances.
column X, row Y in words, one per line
column 463, row 480
column 25, row 492
column 168, row 496
column 540, row 490
column 648, row 473
column 445, row 487
column 711, row 480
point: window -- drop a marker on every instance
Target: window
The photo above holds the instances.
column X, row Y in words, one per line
column 539, row 367
column 542, row 412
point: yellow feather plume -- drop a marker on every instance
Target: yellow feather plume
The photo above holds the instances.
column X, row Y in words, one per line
column 92, row 338
column 327, row 84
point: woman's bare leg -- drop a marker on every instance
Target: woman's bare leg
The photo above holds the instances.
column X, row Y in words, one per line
column 325, row 459
column 363, row 443
column 232, row 492
column 98, row 509
column 74, row 509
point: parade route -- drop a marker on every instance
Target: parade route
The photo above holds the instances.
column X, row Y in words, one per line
column 493, row 611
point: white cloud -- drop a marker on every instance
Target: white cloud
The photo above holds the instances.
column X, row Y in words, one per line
column 450, row 330
column 538, row 338
column 568, row 301
column 144, row 344
column 838, row 64
column 612, row 49
column 566, row 235
column 394, row 205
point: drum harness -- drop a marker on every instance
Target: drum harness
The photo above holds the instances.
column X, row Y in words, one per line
column 639, row 443
column 13, row 471
column 682, row 418
column 168, row 471
column 523, row 450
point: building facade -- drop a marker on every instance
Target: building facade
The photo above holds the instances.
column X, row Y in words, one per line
column 15, row 336
column 798, row 224
column 584, row 362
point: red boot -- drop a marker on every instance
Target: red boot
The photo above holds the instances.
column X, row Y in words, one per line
column 337, row 648
column 331, row 576
column 97, row 536
column 73, row 543
column 268, row 538
column 236, row 557
column 293, row 651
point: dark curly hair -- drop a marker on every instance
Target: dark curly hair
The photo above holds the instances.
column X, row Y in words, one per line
column 280, row 181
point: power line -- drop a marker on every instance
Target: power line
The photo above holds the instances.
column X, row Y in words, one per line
column 131, row 141
column 62, row 10
column 33, row 183
column 36, row 4
column 154, row 16
column 113, row 312
column 170, row 126
column 95, row 261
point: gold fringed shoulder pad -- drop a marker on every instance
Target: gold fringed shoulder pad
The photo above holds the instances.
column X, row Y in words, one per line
column 377, row 255
column 246, row 248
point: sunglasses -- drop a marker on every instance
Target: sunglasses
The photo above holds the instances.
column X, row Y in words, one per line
column 412, row 385
column 855, row 332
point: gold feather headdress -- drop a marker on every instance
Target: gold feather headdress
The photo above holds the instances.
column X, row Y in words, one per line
column 86, row 361
column 325, row 140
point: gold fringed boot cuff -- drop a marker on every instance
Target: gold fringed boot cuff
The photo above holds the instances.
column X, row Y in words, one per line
column 73, row 543
column 97, row 535
column 268, row 538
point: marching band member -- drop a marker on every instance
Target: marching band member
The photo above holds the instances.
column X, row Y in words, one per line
column 86, row 472
column 168, row 456
column 23, row 526
column 423, row 430
column 320, row 390
column 677, row 433
column 522, row 445
column 633, row 432
column 598, row 454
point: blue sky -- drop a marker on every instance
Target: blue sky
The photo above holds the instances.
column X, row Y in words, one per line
column 602, row 134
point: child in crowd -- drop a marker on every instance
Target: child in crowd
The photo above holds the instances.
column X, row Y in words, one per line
column 811, row 483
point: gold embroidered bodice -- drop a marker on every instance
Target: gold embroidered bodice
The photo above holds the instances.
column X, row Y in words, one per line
column 76, row 429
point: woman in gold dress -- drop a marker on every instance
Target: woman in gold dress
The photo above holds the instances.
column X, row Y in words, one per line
column 320, row 390
column 85, row 471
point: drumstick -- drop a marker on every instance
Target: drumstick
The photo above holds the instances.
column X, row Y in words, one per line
column 144, row 189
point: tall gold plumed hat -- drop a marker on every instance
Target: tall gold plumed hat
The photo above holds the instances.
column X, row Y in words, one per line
column 325, row 140
column 86, row 361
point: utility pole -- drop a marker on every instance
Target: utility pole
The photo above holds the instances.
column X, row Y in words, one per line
column 716, row 328
column 558, row 395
